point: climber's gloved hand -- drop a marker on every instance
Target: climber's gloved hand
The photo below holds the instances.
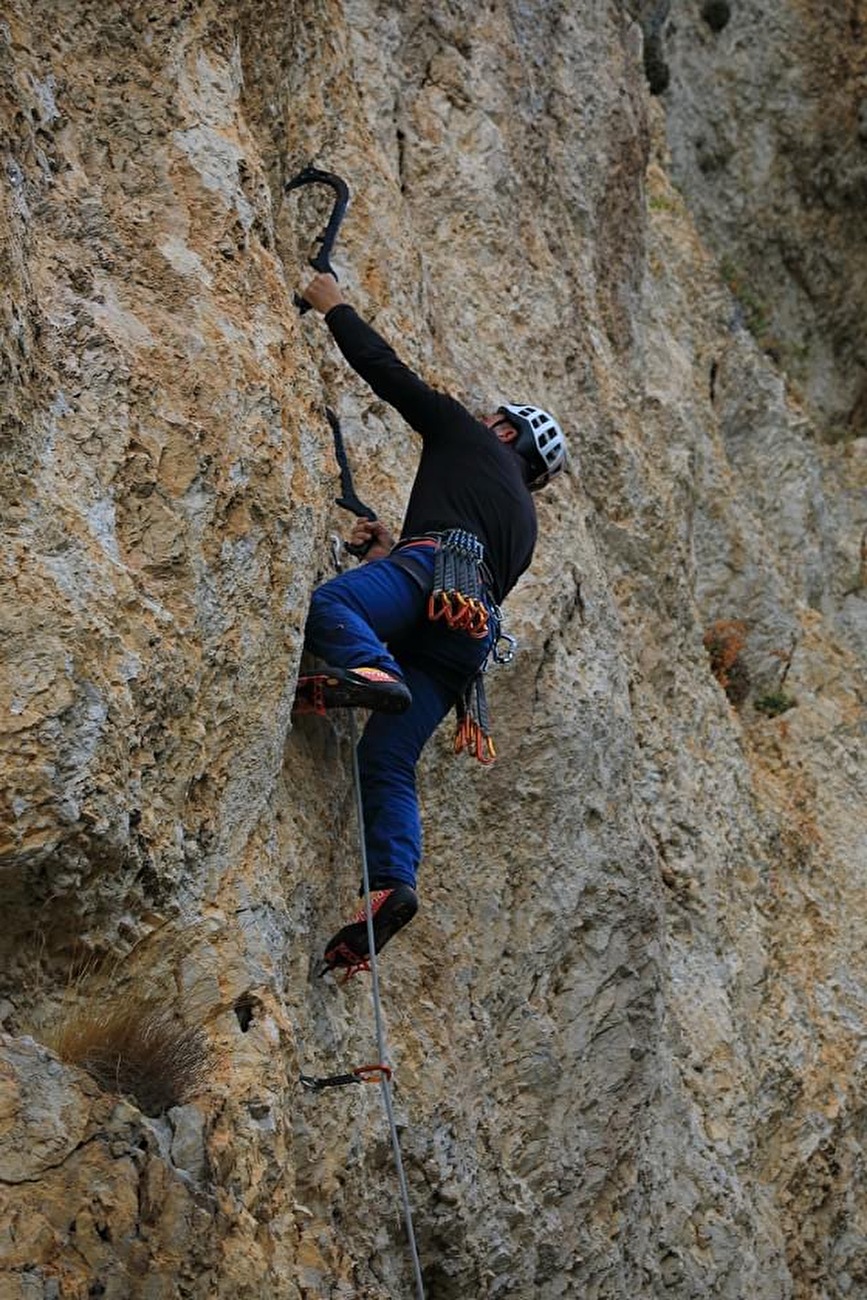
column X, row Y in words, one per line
column 323, row 292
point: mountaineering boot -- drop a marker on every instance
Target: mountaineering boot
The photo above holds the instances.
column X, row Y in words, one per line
column 349, row 950
column 349, row 688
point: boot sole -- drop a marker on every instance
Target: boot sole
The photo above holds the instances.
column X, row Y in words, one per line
column 331, row 691
column 354, row 935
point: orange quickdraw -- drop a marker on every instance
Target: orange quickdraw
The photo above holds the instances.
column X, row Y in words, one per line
column 470, row 737
column 460, row 612
column 463, row 734
column 437, row 606
column 459, row 583
column 378, row 1073
column 478, row 624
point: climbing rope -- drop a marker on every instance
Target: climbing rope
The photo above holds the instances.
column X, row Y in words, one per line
column 381, row 1045
column 380, row 1073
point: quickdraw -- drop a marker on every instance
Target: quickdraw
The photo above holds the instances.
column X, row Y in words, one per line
column 473, row 732
column 458, row 598
column 456, row 595
column 361, row 1074
column 322, row 260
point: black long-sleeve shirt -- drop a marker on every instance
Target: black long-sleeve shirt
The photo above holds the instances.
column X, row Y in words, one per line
column 466, row 477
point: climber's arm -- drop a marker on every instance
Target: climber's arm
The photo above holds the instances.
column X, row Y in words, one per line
column 428, row 411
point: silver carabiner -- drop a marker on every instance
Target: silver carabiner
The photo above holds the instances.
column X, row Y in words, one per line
column 504, row 656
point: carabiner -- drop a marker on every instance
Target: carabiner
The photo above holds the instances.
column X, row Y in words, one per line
column 361, row 1074
column 437, row 606
column 378, row 1073
column 504, row 656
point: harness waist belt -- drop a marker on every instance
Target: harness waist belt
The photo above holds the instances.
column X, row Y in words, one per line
column 465, row 548
column 415, row 541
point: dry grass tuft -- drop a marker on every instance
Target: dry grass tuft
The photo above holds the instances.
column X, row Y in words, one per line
column 724, row 641
column 135, row 1047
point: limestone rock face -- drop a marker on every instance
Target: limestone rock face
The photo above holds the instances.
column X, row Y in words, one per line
column 628, row 1023
column 767, row 121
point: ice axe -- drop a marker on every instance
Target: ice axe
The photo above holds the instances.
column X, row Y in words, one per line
column 348, row 499
column 322, row 263
column 322, row 260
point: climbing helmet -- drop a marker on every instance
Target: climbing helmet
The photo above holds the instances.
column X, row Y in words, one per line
column 540, row 441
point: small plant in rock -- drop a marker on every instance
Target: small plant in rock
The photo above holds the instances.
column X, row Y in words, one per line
column 775, row 703
column 663, row 203
column 135, row 1047
column 724, row 641
column 778, row 701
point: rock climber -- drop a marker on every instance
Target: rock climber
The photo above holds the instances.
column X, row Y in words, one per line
column 387, row 648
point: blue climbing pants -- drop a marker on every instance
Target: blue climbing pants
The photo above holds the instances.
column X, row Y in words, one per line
column 377, row 615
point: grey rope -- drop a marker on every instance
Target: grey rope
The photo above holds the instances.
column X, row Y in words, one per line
column 381, row 1046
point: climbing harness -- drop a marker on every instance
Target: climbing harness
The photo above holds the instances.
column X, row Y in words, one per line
column 382, row 1072
column 322, row 260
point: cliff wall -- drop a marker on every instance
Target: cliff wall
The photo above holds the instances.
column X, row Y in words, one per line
column 628, row 1022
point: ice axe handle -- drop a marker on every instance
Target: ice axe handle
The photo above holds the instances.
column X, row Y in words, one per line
column 360, row 549
column 349, row 500
column 319, row 263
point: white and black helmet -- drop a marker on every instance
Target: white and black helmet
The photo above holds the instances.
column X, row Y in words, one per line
column 540, row 441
